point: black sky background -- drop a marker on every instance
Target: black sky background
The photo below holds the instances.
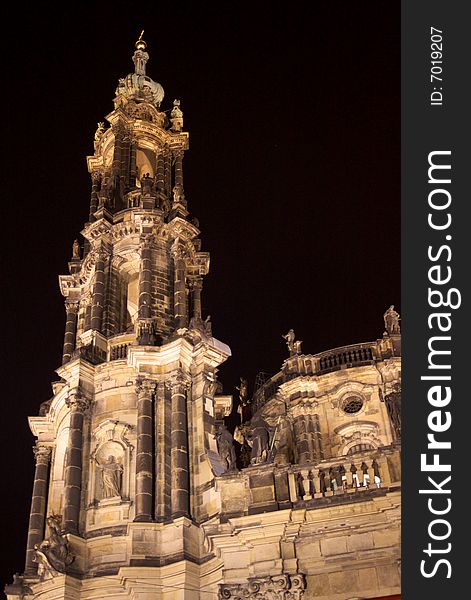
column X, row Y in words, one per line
column 293, row 171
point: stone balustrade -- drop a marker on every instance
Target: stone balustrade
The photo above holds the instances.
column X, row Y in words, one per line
column 266, row 487
column 118, row 346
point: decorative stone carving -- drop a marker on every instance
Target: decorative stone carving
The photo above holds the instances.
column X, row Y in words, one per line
column 111, row 477
column 294, row 346
column 393, row 405
column 77, row 402
column 391, row 321
column 76, row 250
column 176, row 117
column 259, row 439
column 226, row 449
column 54, row 553
column 98, row 134
column 110, row 462
column 275, row 587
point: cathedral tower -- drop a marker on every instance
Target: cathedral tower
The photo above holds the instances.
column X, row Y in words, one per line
column 137, row 494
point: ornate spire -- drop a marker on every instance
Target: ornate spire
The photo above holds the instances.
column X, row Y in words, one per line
column 140, row 56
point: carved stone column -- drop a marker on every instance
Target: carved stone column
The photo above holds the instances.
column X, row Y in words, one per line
column 179, row 169
column 301, row 437
column 180, row 504
column 163, row 411
column 70, row 330
column 145, row 334
column 180, row 299
column 96, row 180
column 160, row 176
column 393, row 406
column 38, row 505
column 196, row 287
column 144, row 451
column 78, row 405
column 168, row 171
column 98, row 300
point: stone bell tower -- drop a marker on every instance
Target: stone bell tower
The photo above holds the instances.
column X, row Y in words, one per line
column 126, row 452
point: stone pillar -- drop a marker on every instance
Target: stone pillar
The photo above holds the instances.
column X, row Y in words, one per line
column 180, row 505
column 160, row 176
column 162, row 451
column 168, row 171
column 144, row 451
column 196, row 287
column 96, row 179
column 73, row 462
column 132, row 165
column 301, row 437
column 70, row 330
column 145, row 332
column 98, row 299
column 179, row 291
column 87, row 319
column 38, row 506
column 179, row 169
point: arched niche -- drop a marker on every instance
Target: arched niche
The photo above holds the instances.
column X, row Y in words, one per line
column 110, row 464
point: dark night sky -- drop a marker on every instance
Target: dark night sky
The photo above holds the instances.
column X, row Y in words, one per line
column 293, row 171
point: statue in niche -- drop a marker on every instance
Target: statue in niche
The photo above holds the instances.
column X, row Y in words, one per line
column 259, row 439
column 54, row 550
column 226, row 450
column 391, row 321
column 76, row 249
column 146, row 184
column 294, row 346
column 393, row 406
column 111, row 477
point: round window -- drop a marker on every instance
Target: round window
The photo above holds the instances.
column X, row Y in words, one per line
column 352, row 405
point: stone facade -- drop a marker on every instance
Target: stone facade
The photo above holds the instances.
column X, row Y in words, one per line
column 137, row 491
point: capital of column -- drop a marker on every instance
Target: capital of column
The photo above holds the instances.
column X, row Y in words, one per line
column 195, row 283
column 42, row 453
column 177, row 379
column 72, row 307
column 77, row 402
column 177, row 249
column 145, row 386
column 146, row 240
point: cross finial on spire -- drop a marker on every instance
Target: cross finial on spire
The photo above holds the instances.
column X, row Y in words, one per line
column 140, row 44
column 140, row 56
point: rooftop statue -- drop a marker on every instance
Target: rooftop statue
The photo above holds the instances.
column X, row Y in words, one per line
column 391, row 321
column 294, row 346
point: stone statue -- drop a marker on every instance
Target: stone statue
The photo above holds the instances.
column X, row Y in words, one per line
column 76, row 249
column 178, row 196
column 294, row 347
column 146, row 184
column 54, row 551
column 207, row 327
column 243, row 400
column 176, row 117
column 99, row 133
column 226, row 448
column 259, row 439
column 111, row 473
column 393, row 406
column 391, row 321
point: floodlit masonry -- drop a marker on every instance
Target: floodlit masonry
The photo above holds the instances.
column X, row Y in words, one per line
column 139, row 492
